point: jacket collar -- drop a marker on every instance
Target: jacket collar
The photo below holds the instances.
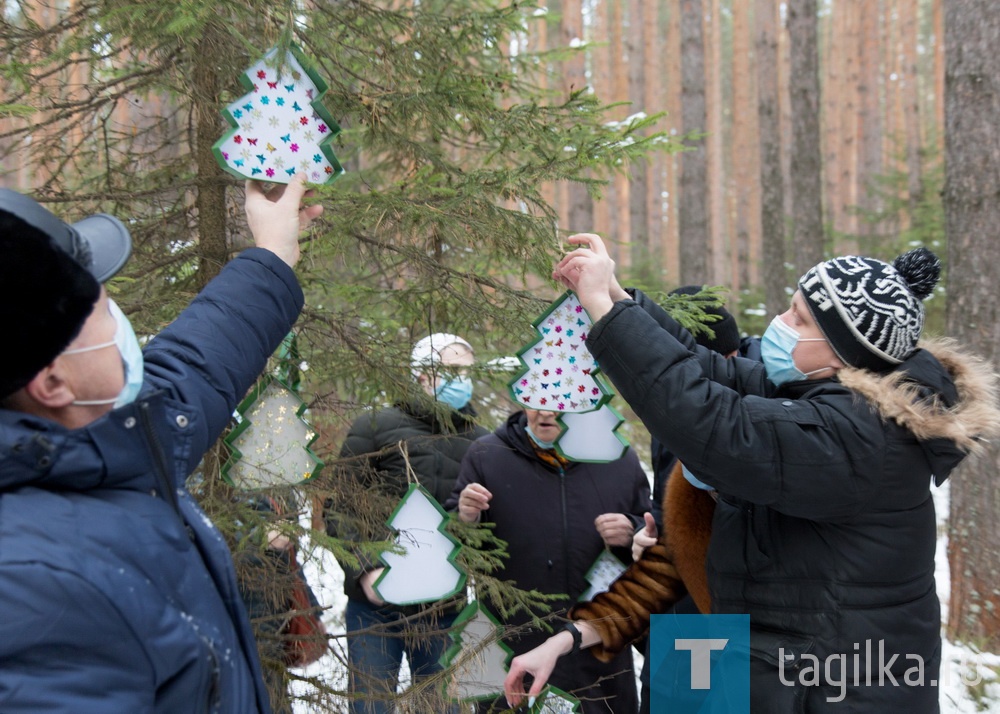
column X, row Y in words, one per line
column 108, row 453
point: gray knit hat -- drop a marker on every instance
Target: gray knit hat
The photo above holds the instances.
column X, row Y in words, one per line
column 871, row 312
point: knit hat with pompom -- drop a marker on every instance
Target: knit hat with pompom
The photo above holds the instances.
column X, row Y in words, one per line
column 871, row 312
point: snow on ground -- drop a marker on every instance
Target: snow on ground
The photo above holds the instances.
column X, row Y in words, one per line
column 963, row 671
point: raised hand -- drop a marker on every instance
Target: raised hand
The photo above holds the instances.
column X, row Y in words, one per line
column 590, row 272
column 645, row 538
column 277, row 217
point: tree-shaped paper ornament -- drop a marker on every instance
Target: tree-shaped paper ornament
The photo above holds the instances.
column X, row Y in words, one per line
column 271, row 445
column 477, row 662
column 553, row 700
column 560, row 375
column 424, row 570
column 280, row 127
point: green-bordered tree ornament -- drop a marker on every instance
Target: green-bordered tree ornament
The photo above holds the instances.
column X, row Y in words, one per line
column 424, row 568
column 280, row 127
column 553, row 700
column 561, row 376
column 271, row 444
column 477, row 662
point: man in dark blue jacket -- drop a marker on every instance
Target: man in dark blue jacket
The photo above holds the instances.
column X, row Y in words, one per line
column 117, row 593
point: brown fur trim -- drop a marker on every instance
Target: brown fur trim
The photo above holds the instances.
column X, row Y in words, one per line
column 621, row 615
column 687, row 526
column 973, row 418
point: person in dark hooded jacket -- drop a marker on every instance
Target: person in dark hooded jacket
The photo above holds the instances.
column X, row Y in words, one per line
column 117, row 594
column 556, row 516
column 823, row 457
column 418, row 438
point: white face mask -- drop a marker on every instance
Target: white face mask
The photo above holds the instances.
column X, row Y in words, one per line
column 131, row 353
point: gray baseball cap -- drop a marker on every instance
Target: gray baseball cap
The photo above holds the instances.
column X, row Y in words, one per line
column 100, row 243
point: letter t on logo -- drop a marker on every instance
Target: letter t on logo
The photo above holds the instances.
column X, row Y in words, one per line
column 701, row 658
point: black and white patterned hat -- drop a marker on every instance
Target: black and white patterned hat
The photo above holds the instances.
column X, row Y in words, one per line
column 871, row 312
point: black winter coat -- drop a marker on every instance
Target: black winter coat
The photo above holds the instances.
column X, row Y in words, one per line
column 825, row 528
column 434, row 448
column 546, row 516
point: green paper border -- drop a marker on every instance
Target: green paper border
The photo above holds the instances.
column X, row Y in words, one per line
column 445, row 517
column 606, row 396
column 316, row 104
column 447, row 658
column 236, row 455
column 547, row 692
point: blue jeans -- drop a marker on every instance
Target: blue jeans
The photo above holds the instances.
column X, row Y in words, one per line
column 377, row 639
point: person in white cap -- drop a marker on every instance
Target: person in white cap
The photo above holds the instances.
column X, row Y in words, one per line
column 823, row 458
column 431, row 439
column 117, row 593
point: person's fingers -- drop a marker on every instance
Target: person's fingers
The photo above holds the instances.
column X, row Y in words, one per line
column 254, row 187
column 651, row 528
column 591, row 240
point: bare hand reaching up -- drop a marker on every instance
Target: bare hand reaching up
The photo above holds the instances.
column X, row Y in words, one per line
column 276, row 218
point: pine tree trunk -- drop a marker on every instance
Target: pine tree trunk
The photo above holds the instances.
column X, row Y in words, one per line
column 600, row 56
column 638, row 237
column 972, row 214
column 772, row 194
column 693, row 208
column 581, row 206
column 746, row 174
column 937, row 19
column 806, row 167
column 672, row 102
column 869, row 111
column 621, row 206
column 652, row 93
column 847, row 179
column 210, row 202
column 714, row 108
column 910, row 38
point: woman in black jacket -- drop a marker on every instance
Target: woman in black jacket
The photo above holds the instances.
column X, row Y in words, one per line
column 824, row 531
column 556, row 517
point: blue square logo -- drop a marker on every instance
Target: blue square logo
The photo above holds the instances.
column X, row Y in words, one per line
column 699, row 664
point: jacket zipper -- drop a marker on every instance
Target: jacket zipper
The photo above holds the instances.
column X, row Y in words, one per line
column 565, row 525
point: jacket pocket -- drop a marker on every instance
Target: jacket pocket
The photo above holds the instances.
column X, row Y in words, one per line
column 775, row 663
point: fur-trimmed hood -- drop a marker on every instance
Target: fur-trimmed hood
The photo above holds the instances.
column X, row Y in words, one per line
column 946, row 398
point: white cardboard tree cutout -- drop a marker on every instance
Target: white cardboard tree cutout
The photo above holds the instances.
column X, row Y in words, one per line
column 477, row 662
column 425, row 569
column 271, row 445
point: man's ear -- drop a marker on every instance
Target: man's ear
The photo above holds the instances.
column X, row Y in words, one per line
column 49, row 388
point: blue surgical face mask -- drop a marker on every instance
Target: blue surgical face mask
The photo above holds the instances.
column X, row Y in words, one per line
column 776, row 348
column 694, row 481
column 542, row 444
column 456, row 392
column 131, row 353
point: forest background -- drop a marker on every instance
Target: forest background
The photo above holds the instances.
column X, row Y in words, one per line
column 719, row 142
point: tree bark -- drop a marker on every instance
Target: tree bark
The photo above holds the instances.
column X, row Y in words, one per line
column 693, row 208
column 746, row 174
column 972, row 214
column 806, row 167
column 714, row 106
column 210, row 201
column 869, row 112
column 909, row 39
column 772, row 185
column 638, row 238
